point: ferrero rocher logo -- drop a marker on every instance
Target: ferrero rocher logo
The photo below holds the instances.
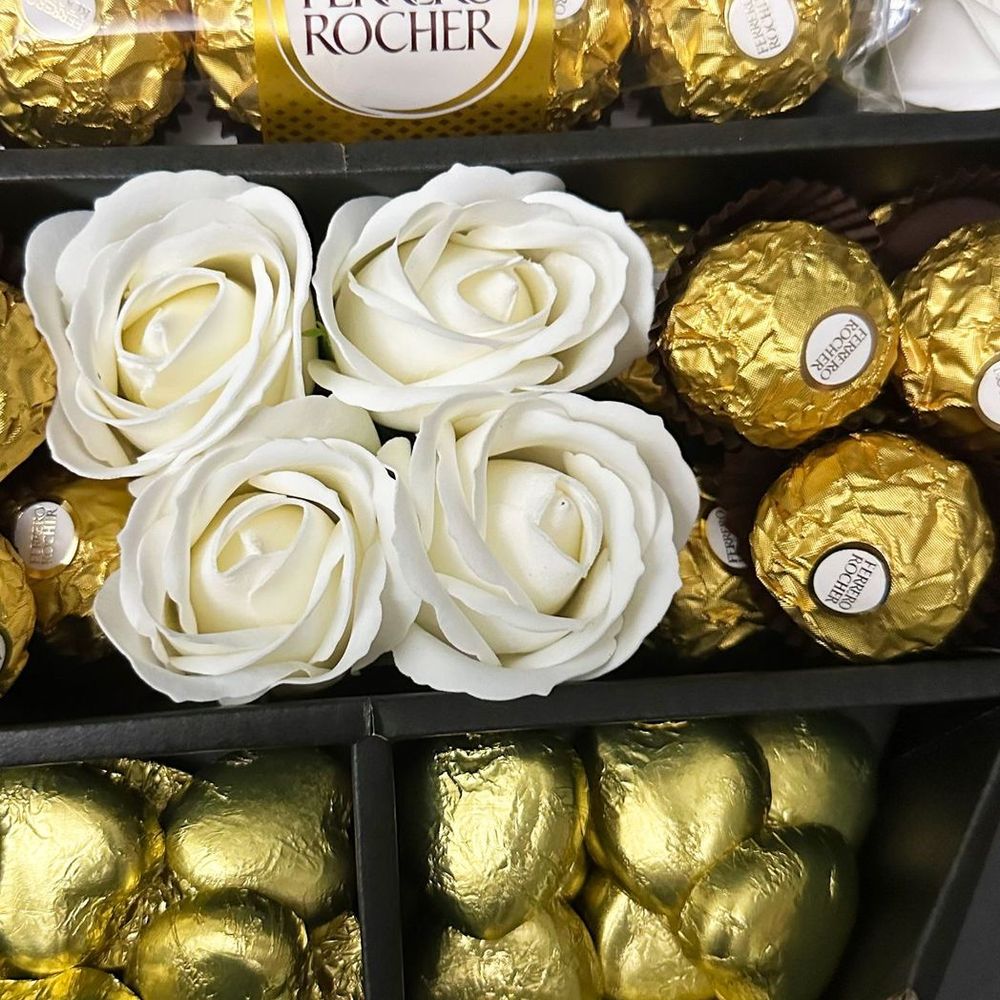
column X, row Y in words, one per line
column 402, row 58
column 61, row 20
column 45, row 537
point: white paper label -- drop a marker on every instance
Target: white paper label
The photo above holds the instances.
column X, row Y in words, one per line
column 61, row 20
column 45, row 537
column 406, row 60
column 852, row 580
column 988, row 394
column 762, row 29
column 565, row 9
column 723, row 543
column 838, row 349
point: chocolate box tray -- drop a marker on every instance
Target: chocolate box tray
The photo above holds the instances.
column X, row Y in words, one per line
column 941, row 798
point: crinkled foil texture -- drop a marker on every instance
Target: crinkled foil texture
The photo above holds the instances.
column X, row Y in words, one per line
column 951, row 331
column 17, row 615
column 336, row 960
column 587, row 53
column 922, row 511
column 75, row 984
column 692, row 58
column 735, row 338
column 27, row 380
column 111, row 89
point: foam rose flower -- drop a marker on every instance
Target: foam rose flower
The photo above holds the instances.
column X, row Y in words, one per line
column 269, row 560
column 172, row 310
column 549, row 531
column 481, row 280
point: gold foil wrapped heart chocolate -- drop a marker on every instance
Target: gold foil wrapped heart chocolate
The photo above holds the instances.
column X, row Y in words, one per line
column 75, row 984
column 494, row 827
column 669, row 800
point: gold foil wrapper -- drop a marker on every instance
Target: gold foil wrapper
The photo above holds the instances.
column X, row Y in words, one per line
column 27, row 379
column 740, row 58
column 949, row 362
column 336, row 960
column 157, row 783
column 771, row 919
column 275, row 822
column 100, row 73
column 493, row 827
column 875, row 545
column 66, row 531
column 224, row 946
column 577, row 877
column 75, row 847
column 714, row 610
column 668, row 801
column 638, row 951
column 17, row 616
column 548, row 957
column 587, row 52
column 823, row 771
column 76, row 984
column 782, row 332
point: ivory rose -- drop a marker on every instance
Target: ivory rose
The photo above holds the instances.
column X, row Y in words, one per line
column 549, row 531
column 481, row 280
column 172, row 310
column 268, row 560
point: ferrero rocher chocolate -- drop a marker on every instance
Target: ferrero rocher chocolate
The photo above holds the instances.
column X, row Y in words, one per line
column 823, row 771
column 91, row 73
column 714, row 610
column 494, row 827
column 228, row 946
column 949, row 363
column 224, row 52
column 740, row 58
column 772, row 917
column 275, row 822
column 876, row 545
column 27, row 379
column 548, row 957
column 17, row 616
column 669, row 800
column 75, row 984
column 75, row 846
column 336, row 959
column 781, row 332
column 638, row 951
column 65, row 529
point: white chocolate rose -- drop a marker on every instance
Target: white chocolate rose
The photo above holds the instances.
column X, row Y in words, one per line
column 480, row 281
column 549, row 531
column 270, row 559
column 172, row 310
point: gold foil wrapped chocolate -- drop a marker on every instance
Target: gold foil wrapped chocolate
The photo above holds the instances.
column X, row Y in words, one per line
column 740, row 58
column 668, row 801
column 228, row 946
column 65, row 529
column 577, row 877
column 782, row 332
column 17, row 616
column 75, row 984
column 823, row 770
column 224, row 52
column 27, row 380
column 90, row 72
column 876, row 545
column 548, row 957
column 77, row 846
column 336, row 960
column 495, row 826
column 772, row 917
column 714, row 610
column 275, row 822
column 638, row 950
column 157, row 783
column 949, row 363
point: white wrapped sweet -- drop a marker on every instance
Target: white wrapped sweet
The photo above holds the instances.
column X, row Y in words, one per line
column 271, row 559
column 173, row 309
column 481, row 280
column 549, row 527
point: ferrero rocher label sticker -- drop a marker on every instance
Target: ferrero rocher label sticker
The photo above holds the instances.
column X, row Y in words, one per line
column 838, row 349
column 344, row 70
column 852, row 579
column 723, row 543
column 61, row 20
column 565, row 9
column 762, row 29
column 45, row 537
column 987, row 394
